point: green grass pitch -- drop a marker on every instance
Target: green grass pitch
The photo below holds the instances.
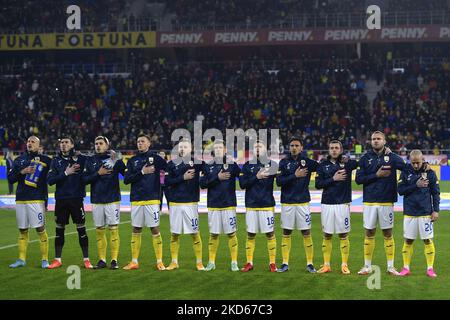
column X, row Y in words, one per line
column 31, row 282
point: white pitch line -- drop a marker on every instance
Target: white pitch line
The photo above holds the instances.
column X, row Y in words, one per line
column 52, row 237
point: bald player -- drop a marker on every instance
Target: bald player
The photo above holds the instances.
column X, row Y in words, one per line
column 30, row 172
column 419, row 187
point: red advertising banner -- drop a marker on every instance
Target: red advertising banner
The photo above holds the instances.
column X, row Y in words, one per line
column 302, row 36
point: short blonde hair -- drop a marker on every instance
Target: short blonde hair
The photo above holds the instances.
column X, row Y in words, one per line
column 379, row 132
column 415, row 153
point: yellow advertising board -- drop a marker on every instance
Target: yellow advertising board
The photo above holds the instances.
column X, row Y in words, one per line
column 85, row 40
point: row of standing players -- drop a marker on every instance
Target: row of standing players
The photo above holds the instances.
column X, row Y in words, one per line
column 71, row 172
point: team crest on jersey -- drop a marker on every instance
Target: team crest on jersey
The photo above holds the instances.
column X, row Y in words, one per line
column 288, row 166
column 267, row 166
column 136, row 162
column 342, row 165
column 225, row 166
column 191, row 163
column 409, row 177
column 150, row 160
column 424, row 175
column 370, row 161
column 37, row 159
column 386, row 158
column 327, row 167
column 303, row 163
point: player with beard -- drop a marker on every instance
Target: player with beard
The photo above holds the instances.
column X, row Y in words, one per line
column 378, row 174
column 257, row 178
column 183, row 193
column 334, row 176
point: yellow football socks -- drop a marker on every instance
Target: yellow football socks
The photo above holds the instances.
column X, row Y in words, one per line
column 389, row 247
column 286, row 247
column 327, row 246
column 272, row 248
column 43, row 244
column 345, row 249
column 174, row 247
column 157, row 246
column 23, row 244
column 369, row 247
column 213, row 244
column 135, row 246
column 233, row 246
column 407, row 252
column 430, row 254
column 197, row 246
column 250, row 249
column 309, row 249
column 101, row 243
column 114, row 242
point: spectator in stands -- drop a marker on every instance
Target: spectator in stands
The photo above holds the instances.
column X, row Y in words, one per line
column 9, row 164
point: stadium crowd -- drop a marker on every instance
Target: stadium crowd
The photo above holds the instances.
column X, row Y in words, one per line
column 412, row 107
column 27, row 16
column 50, row 15
column 313, row 100
column 247, row 11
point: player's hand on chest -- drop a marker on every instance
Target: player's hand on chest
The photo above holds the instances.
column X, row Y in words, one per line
column 76, row 163
column 299, row 168
column 375, row 163
column 182, row 168
column 330, row 169
column 215, row 169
